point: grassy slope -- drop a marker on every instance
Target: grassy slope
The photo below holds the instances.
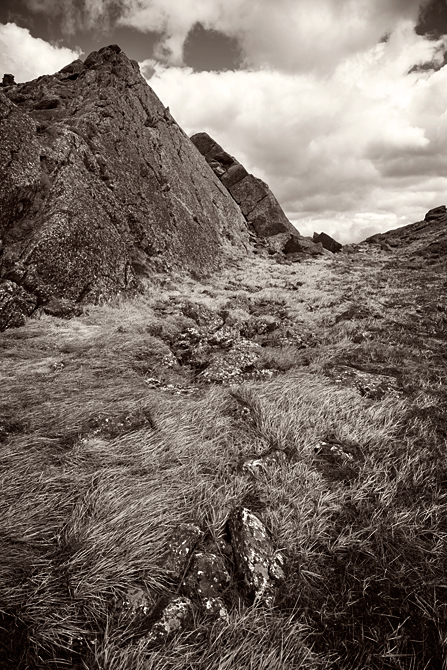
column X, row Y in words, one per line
column 97, row 469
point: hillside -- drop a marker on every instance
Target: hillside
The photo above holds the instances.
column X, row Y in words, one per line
column 222, row 443
column 241, row 471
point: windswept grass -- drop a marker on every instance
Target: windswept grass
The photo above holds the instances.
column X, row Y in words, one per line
column 97, row 470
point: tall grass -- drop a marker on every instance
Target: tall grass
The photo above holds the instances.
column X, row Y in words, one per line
column 97, row 470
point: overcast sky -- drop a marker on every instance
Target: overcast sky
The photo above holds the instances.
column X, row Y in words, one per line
column 339, row 105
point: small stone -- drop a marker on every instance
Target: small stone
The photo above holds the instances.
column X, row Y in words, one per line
column 260, row 564
column 333, row 451
column 216, row 608
column 180, row 547
column 207, row 576
column 175, row 616
column 371, row 385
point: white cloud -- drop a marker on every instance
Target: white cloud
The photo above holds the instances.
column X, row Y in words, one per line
column 28, row 57
column 290, row 35
column 353, row 152
column 348, row 137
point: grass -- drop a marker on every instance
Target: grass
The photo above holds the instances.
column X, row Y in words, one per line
column 97, row 469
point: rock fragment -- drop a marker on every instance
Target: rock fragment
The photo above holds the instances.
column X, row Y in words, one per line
column 328, row 242
column 260, row 565
column 371, row 385
column 174, row 617
column 180, row 548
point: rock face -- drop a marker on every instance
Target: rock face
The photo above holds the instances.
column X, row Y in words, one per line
column 270, row 227
column 98, row 185
column 256, row 558
column 258, row 204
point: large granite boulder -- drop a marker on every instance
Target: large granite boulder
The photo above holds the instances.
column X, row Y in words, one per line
column 99, row 185
column 258, row 204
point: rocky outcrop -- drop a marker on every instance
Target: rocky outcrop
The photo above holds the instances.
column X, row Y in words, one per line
column 371, row 385
column 258, row 204
column 272, row 230
column 99, row 185
column 201, row 573
column 436, row 213
column 425, row 239
column 328, row 242
column 8, row 80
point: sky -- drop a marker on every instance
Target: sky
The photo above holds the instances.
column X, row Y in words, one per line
column 339, row 105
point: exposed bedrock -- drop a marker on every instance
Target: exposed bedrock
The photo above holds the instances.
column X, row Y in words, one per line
column 99, row 185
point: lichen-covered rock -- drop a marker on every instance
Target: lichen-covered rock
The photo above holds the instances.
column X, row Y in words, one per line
column 260, row 565
column 174, row 617
column 134, row 605
column 112, row 425
column 226, row 366
column 203, row 316
column 180, row 548
column 371, row 385
column 257, row 466
column 98, row 185
column 207, row 575
column 337, row 461
column 216, row 608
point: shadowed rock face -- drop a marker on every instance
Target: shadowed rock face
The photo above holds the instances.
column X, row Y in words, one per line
column 99, row 184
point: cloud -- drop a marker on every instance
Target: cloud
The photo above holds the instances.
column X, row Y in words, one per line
column 79, row 15
column 353, row 152
column 328, row 109
column 28, row 57
column 290, row 35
